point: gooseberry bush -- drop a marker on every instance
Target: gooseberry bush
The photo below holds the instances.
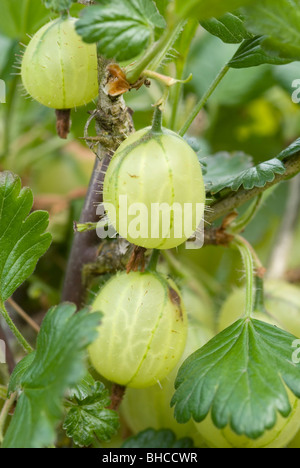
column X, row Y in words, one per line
column 149, row 244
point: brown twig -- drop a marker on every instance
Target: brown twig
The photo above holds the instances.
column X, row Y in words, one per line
column 220, row 236
column 137, row 260
column 85, row 245
column 63, row 122
column 113, row 117
column 117, row 395
column 23, row 314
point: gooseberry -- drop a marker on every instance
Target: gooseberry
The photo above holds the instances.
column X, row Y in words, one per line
column 143, row 331
column 277, row 437
column 58, row 69
column 153, row 189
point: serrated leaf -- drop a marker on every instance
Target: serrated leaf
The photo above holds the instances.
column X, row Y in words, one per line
column 223, row 167
column 240, row 376
column 22, row 235
column 58, row 364
column 279, row 22
column 122, row 28
column 58, row 5
column 290, row 150
column 257, row 176
column 204, row 9
column 163, row 438
column 230, row 28
column 251, row 54
column 82, row 389
column 89, row 415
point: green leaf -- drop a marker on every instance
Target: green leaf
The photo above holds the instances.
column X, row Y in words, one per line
column 122, row 28
column 224, row 166
column 89, row 416
column 230, row 28
column 58, row 363
column 22, row 17
column 257, row 176
column 204, row 9
column 22, row 236
column 82, row 388
column 240, row 376
column 19, row 371
column 224, row 170
column 251, row 54
column 151, row 438
column 279, row 22
column 58, row 5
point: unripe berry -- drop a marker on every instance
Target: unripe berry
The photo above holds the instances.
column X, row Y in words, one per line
column 153, row 189
column 143, row 331
column 59, row 70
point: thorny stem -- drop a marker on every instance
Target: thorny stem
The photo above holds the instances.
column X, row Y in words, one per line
column 112, row 117
column 4, row 413
column 200, row 104
column 84, row 248
column 23, row 314
column 14, row 329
